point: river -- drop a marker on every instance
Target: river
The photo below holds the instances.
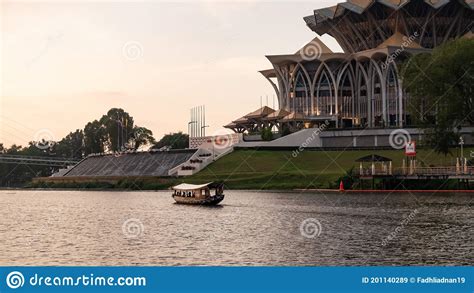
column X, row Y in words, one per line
column 53, row 227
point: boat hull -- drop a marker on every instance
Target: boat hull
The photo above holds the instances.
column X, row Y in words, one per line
column 209, row 201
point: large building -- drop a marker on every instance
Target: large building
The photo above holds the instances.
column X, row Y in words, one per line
column 361, row 87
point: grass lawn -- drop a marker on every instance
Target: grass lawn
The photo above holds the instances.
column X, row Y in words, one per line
column 254, row 169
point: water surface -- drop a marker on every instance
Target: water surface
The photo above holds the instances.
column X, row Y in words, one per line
column 249, row 228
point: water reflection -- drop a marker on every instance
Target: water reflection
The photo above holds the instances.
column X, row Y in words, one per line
column 249, row 228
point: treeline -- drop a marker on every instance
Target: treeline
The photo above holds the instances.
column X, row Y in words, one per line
column 113, row 132
column 12, row 175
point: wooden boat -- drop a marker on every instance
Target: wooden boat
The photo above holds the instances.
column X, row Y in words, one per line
column 198, row 194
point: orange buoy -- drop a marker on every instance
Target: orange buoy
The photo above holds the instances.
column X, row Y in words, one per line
column 341, row 186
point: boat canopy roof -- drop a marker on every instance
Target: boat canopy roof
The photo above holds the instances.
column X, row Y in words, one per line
column 185, row 186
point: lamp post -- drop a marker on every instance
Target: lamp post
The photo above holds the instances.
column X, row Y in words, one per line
column 203, row 129
column 189, row 124
column 461, row 143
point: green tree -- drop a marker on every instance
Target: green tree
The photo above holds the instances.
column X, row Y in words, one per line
column 441, row 139
column 177, row 140
column 141, row 136
column 14, row 150
column 95, row 138
column 118, row 126
column 114, row 131
column 17, row 174
column 267, row 134
column 72, row 146
column 440, row 86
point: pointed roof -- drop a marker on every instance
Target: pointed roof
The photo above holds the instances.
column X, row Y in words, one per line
column 231, row 125
column 374, row 158
column 394, row 4
column 241, row 120
column 328, row 12
column 293, row 117
column 315, row 47
column 260, row 113
column 399, row 40
column 268, row 73
column 359, row 6
column 280, row 114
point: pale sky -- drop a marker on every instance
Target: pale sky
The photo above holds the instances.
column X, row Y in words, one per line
column 65, row 63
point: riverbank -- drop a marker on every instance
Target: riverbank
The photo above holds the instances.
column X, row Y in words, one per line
column 264, row 170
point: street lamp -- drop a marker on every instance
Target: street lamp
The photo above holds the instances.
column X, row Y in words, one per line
column 189, row 124
column 461, row 143
column 203, row 129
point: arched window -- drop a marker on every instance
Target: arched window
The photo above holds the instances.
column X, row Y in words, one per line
column 363, row 96
column 346, row 97
column 377, row 102
column 300, row 99
column 326, row 105
column 392, row 96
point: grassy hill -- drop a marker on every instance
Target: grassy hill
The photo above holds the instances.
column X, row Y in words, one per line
column 263, row 169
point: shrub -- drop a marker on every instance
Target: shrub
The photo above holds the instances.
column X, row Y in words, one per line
column 267, row 134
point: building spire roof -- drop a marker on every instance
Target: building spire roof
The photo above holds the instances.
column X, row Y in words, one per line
column 399, row 40
column 316, row 46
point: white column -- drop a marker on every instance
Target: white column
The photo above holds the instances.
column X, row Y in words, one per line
column 400, row 103
column 383, row 88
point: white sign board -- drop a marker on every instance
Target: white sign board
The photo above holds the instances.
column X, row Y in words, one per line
column 410, row 148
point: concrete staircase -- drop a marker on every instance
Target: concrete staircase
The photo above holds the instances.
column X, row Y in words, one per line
column 199, row 160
